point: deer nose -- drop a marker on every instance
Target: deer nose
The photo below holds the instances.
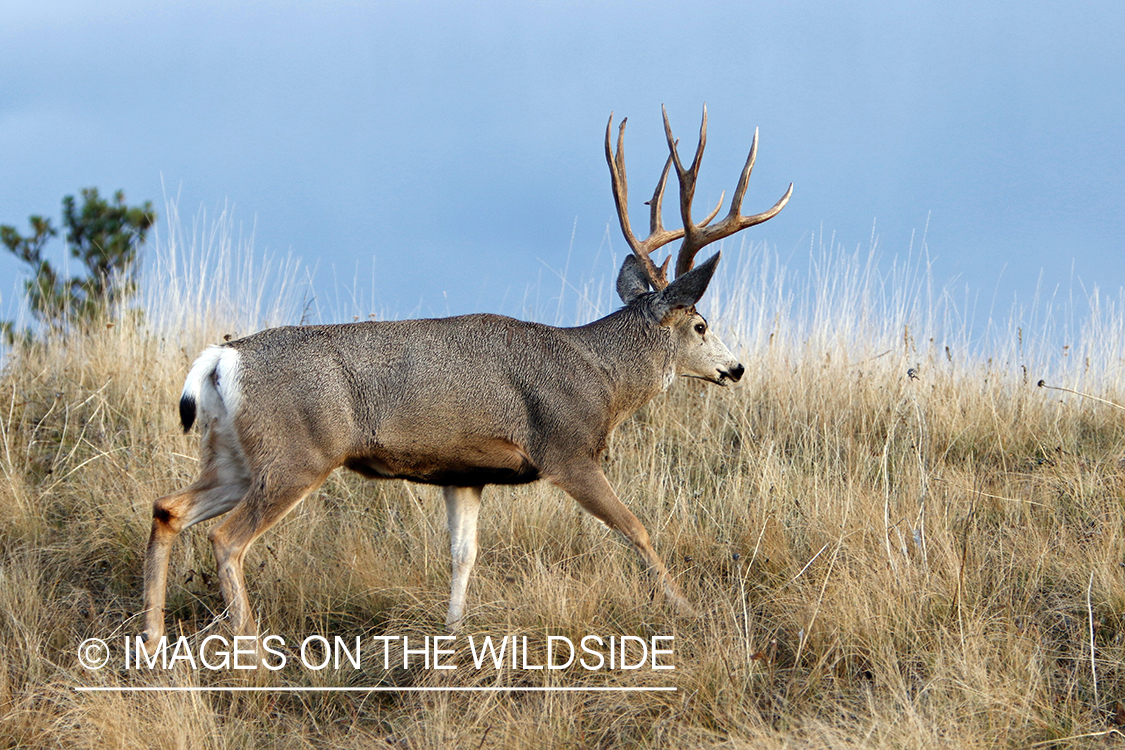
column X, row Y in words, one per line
column 735, row 373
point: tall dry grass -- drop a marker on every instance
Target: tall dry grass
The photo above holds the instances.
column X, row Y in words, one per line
column 893, row 537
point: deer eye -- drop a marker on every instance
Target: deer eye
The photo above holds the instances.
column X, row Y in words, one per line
column 700, row 328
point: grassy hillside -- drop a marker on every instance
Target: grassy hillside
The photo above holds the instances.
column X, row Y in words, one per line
column 892, row 536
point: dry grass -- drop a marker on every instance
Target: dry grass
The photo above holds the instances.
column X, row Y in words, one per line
column 879, row 560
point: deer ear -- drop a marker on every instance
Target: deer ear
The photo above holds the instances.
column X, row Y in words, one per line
column 686, row 290
column 632, row 281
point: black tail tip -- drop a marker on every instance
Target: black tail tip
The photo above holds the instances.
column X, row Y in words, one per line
column 187, row 411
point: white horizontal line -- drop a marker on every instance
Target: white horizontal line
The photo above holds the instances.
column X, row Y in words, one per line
column 374, row 689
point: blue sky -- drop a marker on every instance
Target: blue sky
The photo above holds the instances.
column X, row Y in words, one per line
column 447, row 157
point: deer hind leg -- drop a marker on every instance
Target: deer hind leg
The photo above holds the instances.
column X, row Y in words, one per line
column 462, row 507
column 262, row 507
column 588, row 485
column 219, row 488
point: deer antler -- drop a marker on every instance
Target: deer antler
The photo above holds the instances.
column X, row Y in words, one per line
column 698, row 236
column 658, row 235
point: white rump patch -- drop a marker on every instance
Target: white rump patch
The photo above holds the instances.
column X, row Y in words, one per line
column 213, row 383
column 227, row 376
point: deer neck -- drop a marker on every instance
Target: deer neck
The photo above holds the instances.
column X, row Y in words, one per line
column 635, row 353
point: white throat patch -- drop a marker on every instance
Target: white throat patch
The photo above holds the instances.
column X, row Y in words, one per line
column 669, row 378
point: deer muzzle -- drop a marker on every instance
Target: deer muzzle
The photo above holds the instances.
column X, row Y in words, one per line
column 734, row 374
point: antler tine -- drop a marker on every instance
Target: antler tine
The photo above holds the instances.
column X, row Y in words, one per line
column 617, row 179
column 656, row 222
column 743, row 180
column 656, row 205
column 686, row 177
column 686, row 256
column 658, row 235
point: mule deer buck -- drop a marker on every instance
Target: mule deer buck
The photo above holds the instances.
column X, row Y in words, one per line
column 459, row 402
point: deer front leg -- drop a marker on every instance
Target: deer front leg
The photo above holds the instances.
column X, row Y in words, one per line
column 462, row 506
column 587, row 484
